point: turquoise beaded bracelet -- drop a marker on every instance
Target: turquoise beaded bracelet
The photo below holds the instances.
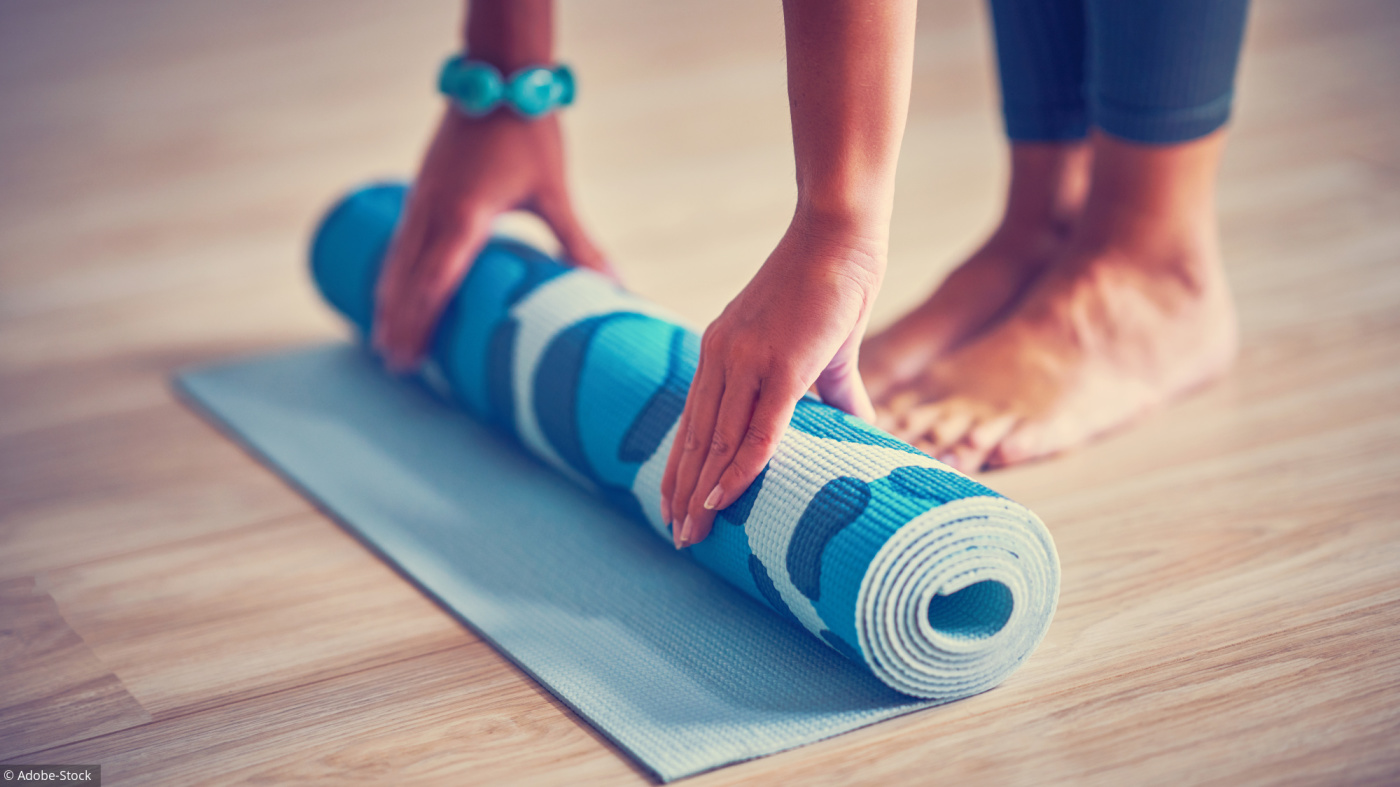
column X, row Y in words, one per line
column 477, row 88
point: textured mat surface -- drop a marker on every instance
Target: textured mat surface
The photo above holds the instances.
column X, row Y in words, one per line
column 669, row 661
column 913, row 573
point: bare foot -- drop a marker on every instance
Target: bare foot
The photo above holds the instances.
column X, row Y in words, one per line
column 1047, row 188
column 1134, row 312
column 973, row 296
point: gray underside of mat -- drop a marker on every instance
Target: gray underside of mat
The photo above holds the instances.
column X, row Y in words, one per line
column 677, row 668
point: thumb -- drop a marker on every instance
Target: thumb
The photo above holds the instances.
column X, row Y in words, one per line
column 840, row 386
column 578, row 247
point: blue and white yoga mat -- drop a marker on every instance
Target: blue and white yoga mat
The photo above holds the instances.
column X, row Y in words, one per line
column 857, row 579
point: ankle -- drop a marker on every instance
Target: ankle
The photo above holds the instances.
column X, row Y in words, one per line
column 1153, row 190
column 1153, row 204
column 1175, row 267
column 1179, row 246
column 1025, row 244
column 1048, row 185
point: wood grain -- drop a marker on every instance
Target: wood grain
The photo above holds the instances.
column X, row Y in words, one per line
column 52, row 688
column 169, row 609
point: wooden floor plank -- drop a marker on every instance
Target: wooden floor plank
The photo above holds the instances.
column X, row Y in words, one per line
column 170, row 609
column 456, row 716
column 52, row 688
column 251, row 611
column 113, row 483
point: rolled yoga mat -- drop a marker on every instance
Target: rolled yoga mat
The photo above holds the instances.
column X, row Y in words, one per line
column 909, row 575
column 935, row 583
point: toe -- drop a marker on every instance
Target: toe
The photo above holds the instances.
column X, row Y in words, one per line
column 886, row 419
column 901, row 410
column 916, row 421
column 980, row 440
column 913, row 425
column 1027, row 441
column 945, row 432
column 889, row 414
column 902, row 401
column 892, row 410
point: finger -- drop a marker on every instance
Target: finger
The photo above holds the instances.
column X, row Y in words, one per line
column 404, row 249
column 736, row 408
column 407, row 299
column 840, row 386
column 668, row 476
column 703, row 404
column 418, row 300
column 557, row 211
column 673, row 460
column 772, row 413
column 405, row 253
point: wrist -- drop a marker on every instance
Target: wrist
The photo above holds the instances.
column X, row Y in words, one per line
column 853, row 246
column 478, row 88
column 862, row 212
column 863, row 232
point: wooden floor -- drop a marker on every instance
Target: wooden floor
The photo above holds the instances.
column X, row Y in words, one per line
column 170, row 610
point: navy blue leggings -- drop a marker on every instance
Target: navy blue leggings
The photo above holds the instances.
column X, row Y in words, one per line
column 1151, row 71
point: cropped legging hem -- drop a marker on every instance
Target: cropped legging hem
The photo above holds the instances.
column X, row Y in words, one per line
column 1147, row 71
column 1163, row 126
column 1044, row 124
column 1144, row 125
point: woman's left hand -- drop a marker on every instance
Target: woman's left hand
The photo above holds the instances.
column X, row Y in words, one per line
column 798, row 324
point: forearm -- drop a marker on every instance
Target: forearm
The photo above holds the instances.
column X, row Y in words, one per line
column 511, row 34
column 850, row 63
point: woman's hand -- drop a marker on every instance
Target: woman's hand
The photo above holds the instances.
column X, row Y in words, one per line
column 798, row 324
column 474, row 170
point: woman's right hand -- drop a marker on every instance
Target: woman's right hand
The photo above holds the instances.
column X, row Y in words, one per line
column 474, row 170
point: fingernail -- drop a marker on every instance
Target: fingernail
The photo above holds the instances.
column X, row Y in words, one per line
column 685, row 531
column 666, row 510
column 716, row 495
column 949, row 460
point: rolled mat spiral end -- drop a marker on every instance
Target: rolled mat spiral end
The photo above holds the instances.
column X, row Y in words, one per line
column 958, row 598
